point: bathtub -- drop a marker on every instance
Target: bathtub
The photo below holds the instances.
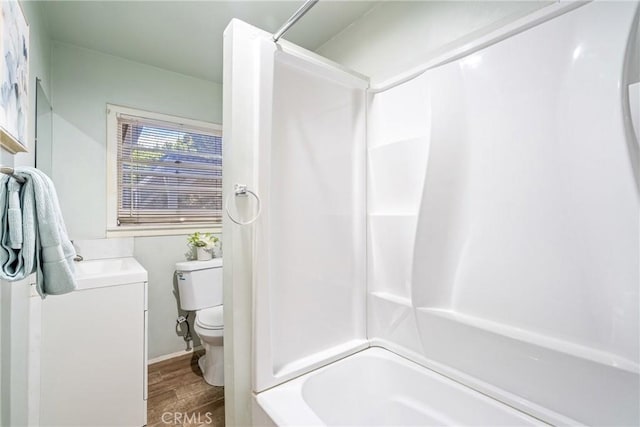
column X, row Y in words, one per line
column 377, row 387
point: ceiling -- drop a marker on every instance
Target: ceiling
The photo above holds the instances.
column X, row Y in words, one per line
column 186, row 36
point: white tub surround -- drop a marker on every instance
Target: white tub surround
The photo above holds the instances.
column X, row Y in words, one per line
column 313, row 193
column 311, row 181
column 502, row 229
column 510, row 244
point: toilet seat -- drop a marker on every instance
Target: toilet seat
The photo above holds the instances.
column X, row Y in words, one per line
column 210, row 318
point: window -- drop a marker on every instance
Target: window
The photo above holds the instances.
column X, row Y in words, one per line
column 165, row 172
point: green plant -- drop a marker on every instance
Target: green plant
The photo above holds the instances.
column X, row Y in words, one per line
column 201, row 240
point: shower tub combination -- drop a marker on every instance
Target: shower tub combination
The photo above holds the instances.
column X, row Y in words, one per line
column 459, row 256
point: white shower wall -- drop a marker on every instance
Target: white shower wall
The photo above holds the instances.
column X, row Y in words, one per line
column 295, row 281
column 316, row 202
column 399, row 121
column 503, row 219
column 501, row 214
column 310, row 290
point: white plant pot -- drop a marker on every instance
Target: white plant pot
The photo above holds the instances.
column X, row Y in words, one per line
column 203, row 254
column 217, row 252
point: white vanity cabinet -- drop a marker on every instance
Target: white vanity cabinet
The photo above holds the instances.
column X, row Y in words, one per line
column 93, row 348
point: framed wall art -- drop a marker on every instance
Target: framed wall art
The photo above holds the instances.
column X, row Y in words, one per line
column 14, row 76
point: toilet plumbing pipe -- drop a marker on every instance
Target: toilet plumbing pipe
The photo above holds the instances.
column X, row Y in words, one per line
column 187, row 337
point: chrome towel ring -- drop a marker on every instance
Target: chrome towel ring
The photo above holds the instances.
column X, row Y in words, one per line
column 241, row 190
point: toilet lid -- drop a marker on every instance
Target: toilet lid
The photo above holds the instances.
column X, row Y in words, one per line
column 210, row 318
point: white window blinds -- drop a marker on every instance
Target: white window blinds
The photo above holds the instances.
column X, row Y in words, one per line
column 168, row 173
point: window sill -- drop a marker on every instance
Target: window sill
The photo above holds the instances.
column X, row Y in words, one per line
column 161, row 230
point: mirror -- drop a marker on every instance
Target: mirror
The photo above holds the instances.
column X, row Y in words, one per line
column 44, row 131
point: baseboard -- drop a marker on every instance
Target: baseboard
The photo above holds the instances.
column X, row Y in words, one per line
column 172, row 355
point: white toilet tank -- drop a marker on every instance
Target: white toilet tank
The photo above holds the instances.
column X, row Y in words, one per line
column 199, row 284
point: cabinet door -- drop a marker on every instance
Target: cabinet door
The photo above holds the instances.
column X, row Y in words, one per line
column 92, row 358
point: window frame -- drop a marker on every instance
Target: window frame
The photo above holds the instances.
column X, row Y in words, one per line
column 128, row 230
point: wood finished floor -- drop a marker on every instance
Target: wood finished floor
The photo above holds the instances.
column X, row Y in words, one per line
column 179, row 396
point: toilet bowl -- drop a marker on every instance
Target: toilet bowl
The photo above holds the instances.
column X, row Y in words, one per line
column 209, row 327
column 200, row 290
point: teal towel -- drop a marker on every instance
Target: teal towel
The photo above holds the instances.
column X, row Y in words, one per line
column 33, row 235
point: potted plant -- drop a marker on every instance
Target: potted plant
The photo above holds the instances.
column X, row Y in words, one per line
column 203, row 242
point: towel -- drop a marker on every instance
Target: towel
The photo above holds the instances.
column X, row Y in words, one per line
column 33, row 237
column 15, row 215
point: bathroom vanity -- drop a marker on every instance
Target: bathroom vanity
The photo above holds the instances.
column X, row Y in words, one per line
column 93, row 348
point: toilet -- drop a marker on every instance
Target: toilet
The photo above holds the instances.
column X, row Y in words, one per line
column 200, row 289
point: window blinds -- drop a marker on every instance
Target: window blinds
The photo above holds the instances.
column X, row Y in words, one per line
column 168, row 173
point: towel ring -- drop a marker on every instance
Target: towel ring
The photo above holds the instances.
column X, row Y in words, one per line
column 241, row 190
